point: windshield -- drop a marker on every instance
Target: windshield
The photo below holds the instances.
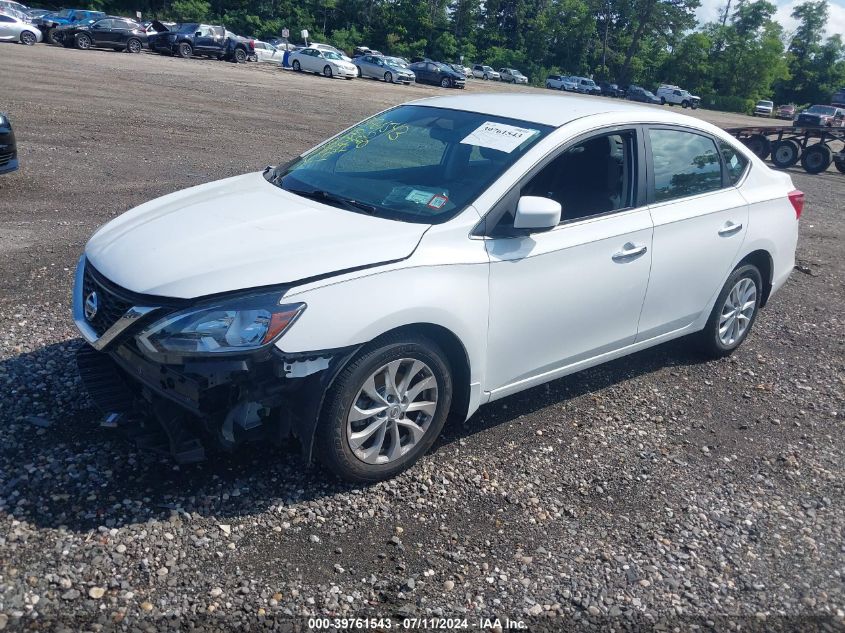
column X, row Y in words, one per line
column 817, row 109
column 413, row 163
column 765, row 103
column 331, row 55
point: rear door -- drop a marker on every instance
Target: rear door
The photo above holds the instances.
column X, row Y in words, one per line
column 6, row 30
column 700, row 221
column 102, row 32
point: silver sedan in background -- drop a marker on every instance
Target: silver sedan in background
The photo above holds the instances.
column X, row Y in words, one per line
column 14, row 29
column 380, row 67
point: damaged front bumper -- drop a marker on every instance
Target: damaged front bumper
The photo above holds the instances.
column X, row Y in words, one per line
column 190, row 405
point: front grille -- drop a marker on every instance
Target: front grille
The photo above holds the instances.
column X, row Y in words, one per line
column 110, row 306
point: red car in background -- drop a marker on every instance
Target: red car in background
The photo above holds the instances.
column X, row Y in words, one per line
column 785, row 112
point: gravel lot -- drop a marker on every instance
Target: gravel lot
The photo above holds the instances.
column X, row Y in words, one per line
column 655, row 491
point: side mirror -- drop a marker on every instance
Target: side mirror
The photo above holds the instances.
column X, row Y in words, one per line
column 197, row 34
column 534, row 213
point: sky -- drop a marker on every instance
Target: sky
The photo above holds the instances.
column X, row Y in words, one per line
column 710, row 10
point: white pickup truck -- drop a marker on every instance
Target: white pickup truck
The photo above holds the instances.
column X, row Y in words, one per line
column 674, row 95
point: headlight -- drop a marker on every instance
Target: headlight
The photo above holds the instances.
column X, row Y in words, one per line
column 2, row 119
column 237, row 325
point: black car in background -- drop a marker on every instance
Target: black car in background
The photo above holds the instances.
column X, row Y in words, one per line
column 8, row 148
column 191, row 39
column 610, row 90
column 443, row 75
column 121, row 34
column 637, row 93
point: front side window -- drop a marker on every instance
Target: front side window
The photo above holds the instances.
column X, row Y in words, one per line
column 734, row 162
column 413, row 163
column 594, row 176
column 685, row 164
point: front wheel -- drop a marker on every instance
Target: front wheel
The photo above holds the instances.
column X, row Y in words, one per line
column 83, row 42
column 734, row 312
column 388, row 77
column 327, row 71
column 185, row 50
column 240, row 56
column 385, row 409
column 445, row 82
column 685, row 104
column 134, row 45
column 52, row 36
column 486, row 77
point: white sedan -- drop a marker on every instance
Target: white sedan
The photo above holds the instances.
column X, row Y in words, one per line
column 13, row 29
column 438, row 256
column 327, row 63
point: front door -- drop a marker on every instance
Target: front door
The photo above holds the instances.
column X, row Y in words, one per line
column 700, row 221
column 575, row 292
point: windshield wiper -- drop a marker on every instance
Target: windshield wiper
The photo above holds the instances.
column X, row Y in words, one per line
column 327, row 196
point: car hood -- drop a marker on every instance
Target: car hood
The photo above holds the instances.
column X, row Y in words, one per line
column 240, row 233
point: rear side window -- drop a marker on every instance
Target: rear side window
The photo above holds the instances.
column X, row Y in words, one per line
column 685, row 164
column 734, row 162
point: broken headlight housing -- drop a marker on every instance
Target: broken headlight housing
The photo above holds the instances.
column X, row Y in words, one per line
column 238, row 325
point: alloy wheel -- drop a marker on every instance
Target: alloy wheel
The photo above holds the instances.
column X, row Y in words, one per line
column 392, row 411
column 134, row 46
column 28, row 38
column 83, row 42
column 737, row 311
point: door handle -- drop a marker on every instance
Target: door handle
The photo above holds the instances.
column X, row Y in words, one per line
column 629, row 251
column 729, row 229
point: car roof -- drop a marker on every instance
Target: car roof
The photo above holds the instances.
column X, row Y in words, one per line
column 553, row 110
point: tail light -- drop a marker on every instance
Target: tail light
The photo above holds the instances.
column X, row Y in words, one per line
column 796, row 197
column 252, row 45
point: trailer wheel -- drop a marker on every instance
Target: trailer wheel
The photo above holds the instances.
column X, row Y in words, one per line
column 840, row 165
column 760, row 145
column 785, row 153
column 816, row 158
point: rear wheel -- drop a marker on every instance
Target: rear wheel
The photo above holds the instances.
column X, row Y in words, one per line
column 734, row 312
column 385, row 409
column 185, row 50
column 52, row 36
column 240, row 56
column 816, row 158
column 662, row 100
column 327, row 71
column 28, row 38
column 134, row 45
column 296, row 65
column 486, row 77
column 83, row 41
column 760, row 145
column 840, row 165
column 785, row 153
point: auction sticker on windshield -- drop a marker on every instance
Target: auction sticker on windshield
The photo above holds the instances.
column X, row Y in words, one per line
column 499, row 136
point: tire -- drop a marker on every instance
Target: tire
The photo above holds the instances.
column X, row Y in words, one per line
column 327, row 71
column 662, row 100
column 83, row 42
column 548, row 86
column 50, row 36
column 718, row 338
column 358, row 71
column 134, row 45
column 388, row 77
column 240, row 56
column 28, row 38
column 185, row 50
column 816, row 158
column 840, row 165
column 486, row 77
column 685, row 104
column 760, row 145
column 296, row 66
column 332, row 439
column 785, row 154
column 445, row 82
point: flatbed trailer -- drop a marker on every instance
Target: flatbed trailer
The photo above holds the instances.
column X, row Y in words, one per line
column 815, row 146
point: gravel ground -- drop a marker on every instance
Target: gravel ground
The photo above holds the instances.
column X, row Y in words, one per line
column 654, row 492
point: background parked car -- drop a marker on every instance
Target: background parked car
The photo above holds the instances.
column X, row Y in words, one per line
column 49, row 22
column 191, row 39
column 560, row 82
column 638, row 93
column 121, row 34
column 764, row 108
column 786, row 112
column 376, row 67
column 674, row 95
column 610, row 90
column 8, row 147
column 838, row 98
column 585, row 85
column 326, row 63
column 485, row 72
column 267, row 53
column 329, row 47
column 438, row 74
column 511, row 75
column 14, row 29
column 828, row 116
